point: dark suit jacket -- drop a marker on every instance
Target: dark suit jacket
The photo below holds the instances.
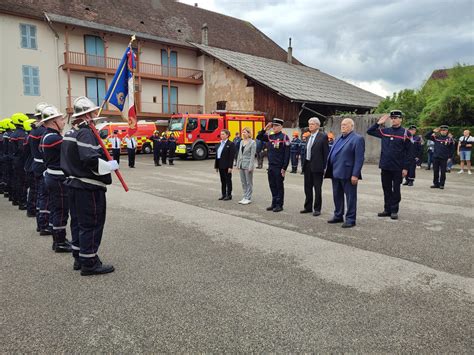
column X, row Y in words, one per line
column 319, row 153
column 347, row 159
column 227, row 156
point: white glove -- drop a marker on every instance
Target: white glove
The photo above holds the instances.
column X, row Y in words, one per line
column 106, row 167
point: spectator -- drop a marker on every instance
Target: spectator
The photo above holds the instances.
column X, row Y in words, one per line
column 464, row 151
column 223, row 164
column 246, row 164
column 260, row 153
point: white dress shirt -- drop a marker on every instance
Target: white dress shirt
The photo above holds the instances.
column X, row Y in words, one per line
column 116, row 142
column 131, row 142
column 221, row 147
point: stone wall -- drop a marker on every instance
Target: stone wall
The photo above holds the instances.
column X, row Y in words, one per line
column 362, row 123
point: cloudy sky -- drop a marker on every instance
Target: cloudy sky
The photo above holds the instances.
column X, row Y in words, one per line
column 380, row 45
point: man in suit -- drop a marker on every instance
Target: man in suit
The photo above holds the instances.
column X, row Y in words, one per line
column 317, row 149
column 224, row 162
column 344, row 168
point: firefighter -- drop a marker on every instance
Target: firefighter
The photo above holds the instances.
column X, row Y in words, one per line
column 417, row 142
column 2, row 182
column 444, row 147
column 295, row 149
column 17, row 140
column 278, row 147
column 87, row 176
column 116, row 143
column 28, row 125
column 395, row 158
column 171, row 148
column 164, row 148
column 131, row 142
column 7, row 164
column 155, row 138
column 38, row 168
column 50, row 145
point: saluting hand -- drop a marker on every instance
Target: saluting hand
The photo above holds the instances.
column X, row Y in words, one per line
column 268, row 126
column 383, row 119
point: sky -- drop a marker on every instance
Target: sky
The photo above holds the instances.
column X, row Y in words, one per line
column 382, row 46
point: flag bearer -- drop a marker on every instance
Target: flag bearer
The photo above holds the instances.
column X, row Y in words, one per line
column 88, row 174
column 54, row 178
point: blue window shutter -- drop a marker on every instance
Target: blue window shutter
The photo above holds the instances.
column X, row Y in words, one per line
column 100, row 91
column 28, row 36
column 174, row 99
column 91, row 89
column 165, row 99
column 24, row 36
column 26, row 80
column 35, row 80
column 32, row 30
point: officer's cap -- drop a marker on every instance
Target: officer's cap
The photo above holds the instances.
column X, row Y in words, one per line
column 50, row 113
column 83, row 105
column 412, row 127
column 396, row 113
column 444, row 127
column 277, row 121
column 39, row 107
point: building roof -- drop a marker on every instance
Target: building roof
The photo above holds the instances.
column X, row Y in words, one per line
column 296, row 82
column 439, row 74
column 164, row 19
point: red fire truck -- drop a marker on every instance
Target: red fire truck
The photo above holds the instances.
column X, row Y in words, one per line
column 198, row 135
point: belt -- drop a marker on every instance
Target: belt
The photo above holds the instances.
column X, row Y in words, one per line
column 38, row 160
column 89, row 181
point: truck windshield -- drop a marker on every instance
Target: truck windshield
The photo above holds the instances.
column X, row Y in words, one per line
column 176, row 124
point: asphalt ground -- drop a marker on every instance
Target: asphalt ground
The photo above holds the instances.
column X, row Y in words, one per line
column 194, row 274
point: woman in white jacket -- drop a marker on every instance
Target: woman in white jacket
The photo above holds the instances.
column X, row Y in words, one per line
column 246, row 164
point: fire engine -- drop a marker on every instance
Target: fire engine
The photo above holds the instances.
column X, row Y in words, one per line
column 198, row 135
column 144, row 131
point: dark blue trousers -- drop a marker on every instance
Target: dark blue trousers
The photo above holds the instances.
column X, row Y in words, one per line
column 32, row 193
column 59, row 206
column 87, row 208
column 42, row 204
column 275, row 180
column 342, row 189
column 391, row 181
column 19, row 185
column 294, row 160
column 116, row 155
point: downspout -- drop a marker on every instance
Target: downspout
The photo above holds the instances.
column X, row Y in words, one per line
column 56, row 48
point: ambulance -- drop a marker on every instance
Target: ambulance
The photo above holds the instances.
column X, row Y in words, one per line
column 198, row 135
column 144, row 131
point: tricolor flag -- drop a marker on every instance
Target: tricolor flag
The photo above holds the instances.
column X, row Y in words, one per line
column 121, row 91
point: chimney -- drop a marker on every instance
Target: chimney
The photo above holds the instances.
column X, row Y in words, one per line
column 205, row 31
column 195, row 4
column 289, row 59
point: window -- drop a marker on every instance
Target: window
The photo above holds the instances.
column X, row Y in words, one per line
column 104, row 133
column 192, row 124
column 95, row 53
column 203, row 123
column 28, row 36
column 95, row 90
column 31, row 81
column 173, row 62
column 213, row 124
column 173, row 107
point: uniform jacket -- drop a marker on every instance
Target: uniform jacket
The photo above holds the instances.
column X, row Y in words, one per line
column 246, row 159
column 16, row 151
column 171, row 144
column 295, row 146
column 417, row 147
column 156, row 142
column 278, row 148
column 397, row 148
column 444, row 146
column 319, row 153
column 34, row 138
column 28, row 156
column 226, row 160
column 50, row 146
column 346, row 159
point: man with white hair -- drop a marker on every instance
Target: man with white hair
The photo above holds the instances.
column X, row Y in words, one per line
column 344, row 168
column 317, row 149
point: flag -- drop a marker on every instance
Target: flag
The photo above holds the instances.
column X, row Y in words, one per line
column 121, row 91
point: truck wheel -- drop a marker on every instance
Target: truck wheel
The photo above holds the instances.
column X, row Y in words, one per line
column 146, row 149
column 199, row 152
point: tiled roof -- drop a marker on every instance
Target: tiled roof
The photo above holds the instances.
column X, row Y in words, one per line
column 296, row 82
column 165, row 19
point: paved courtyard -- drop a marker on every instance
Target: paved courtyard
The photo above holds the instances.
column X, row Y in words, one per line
column 197, row 274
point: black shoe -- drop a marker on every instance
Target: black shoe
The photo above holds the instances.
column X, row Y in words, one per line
column 384, row 214
column 278, row 209
column 28, row 214
column 394, row 216
column 45, row 232
column 410, row 183
column 221, row 198
column 316, row 213
column 406, row 182
column 441, row 187
column 305, row 211
column 171, row 163
column 14, row 203
column 97, row 269
column 5, row 194
column 335, row 220
column 348, row 225
column 227, row 198
column 22, row 207
column 77, row 265
column 63, row 247
column 38, row 229
column 270, row 208
column 435, row 186
column 158, row 164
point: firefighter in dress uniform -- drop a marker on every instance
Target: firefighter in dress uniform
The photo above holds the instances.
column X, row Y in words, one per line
column 87, row 176
column 155, row 138
column 395, row 158
column 171, row 148
column 116, row 144
column 295, row 149
column 444, row 147
column 28, row 125
column 7, row 162
column 16, row 152
column 50, row 145
column 278, row 147
column 164, row 148
column 417, row 142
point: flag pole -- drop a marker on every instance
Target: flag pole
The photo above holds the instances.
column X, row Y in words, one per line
column 96, row 133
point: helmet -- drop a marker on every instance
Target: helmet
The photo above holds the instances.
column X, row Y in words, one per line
column 8, row 124
column 27, row 124
column 83, row 105
column 156, row 132
column 18, row 118
column 49, row 113
column 39, row 107
column 163, row 134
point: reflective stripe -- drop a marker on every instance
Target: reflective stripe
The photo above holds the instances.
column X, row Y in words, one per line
column 89, row 181
column 75, row 248
column 54, row 172
column 86, row 145
column 44, row 211
column 87, row 255
column 38, row 160
column 59, row 228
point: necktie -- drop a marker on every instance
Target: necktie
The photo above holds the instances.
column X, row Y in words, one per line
column 131, row 141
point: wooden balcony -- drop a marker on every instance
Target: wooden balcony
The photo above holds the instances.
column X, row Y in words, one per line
column 106, row 65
